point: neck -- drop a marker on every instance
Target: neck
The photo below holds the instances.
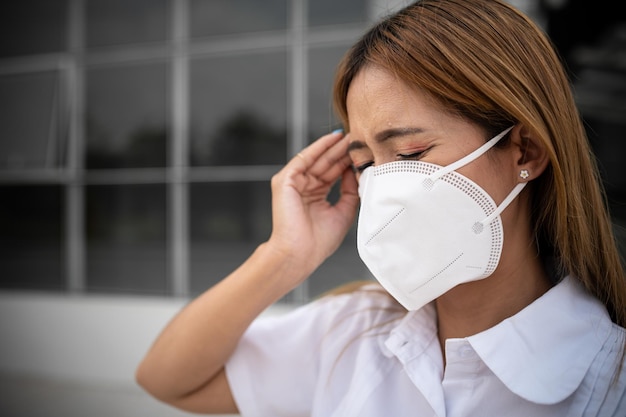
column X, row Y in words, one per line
column 477, row 306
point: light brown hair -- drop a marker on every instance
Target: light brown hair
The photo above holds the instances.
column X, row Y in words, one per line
column 488, row 62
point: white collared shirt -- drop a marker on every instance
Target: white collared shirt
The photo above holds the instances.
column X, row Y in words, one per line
column 351, row 355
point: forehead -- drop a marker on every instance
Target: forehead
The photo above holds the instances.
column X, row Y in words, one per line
column 378, row 100
column 373, row 89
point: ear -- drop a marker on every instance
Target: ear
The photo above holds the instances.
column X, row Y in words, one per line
column 529, row 153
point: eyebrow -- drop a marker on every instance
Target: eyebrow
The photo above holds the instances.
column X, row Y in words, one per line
column 386, row 134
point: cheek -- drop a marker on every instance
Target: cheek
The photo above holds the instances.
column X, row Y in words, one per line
column 490, row 176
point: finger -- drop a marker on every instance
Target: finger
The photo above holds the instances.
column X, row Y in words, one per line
column 330, row 165
column 332, row 168
column 349, row 197
column 309, row 155
column 349, row 183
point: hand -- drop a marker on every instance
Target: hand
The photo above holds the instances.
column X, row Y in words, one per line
column 306, row 227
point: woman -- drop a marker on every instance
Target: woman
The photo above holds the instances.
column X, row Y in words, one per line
column 482, row 218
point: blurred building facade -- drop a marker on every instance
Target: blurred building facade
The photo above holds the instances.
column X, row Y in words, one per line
column 137, row 138
column 137, row 141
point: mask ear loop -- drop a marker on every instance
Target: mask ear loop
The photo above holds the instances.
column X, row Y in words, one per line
column 430, row 181
column 478, row 227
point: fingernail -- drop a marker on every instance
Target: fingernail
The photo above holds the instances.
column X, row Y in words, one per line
column 337, row 131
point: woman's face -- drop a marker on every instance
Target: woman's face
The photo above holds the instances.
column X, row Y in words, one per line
column 390, row 121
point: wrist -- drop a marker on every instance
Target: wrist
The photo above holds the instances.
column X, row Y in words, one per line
column 287, row 263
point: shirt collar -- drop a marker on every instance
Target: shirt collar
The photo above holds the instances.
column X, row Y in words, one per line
column 541, row 354
column 417, row 328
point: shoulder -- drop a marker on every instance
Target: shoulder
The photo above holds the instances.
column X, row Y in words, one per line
column 565, row 346
column 368, row 304
column 312, row 352
column 359, row 294
column 603, row 390
column 337, row 316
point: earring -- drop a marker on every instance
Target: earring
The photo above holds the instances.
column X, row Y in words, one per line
column 524, row 174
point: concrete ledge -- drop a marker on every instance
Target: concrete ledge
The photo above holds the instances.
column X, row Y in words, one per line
column 39, row 397
column 66, row 355
column 79, row 338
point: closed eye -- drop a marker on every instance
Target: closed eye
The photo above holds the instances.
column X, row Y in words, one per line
column 360, row 168
column 411, row 156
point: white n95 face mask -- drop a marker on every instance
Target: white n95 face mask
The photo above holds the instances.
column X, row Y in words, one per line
column 424, row 229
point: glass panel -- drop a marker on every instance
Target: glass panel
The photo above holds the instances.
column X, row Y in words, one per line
column 126, row 116
column 111, row 22
column 345, row 264
column 29, row 121
column 223, row 17
column 342, row 267
column 332, row 12
column 322, row 66
column 227, row 221
column 126, row 232
column 31, row 238
column 239, row 110
column 33, row 27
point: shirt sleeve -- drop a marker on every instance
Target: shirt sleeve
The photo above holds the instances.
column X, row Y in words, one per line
column 280, row 360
